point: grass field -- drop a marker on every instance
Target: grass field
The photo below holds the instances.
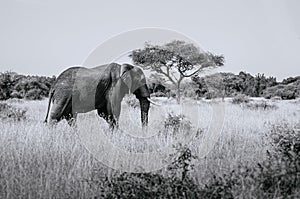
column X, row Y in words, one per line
column 42, row 161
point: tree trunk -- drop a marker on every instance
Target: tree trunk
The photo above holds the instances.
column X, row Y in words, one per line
column 178, row 89
column 178, row 93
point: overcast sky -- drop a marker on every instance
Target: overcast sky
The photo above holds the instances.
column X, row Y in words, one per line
column 45, row 37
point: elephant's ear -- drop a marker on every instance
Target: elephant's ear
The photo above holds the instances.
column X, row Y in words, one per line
column 125, row 68
column 102, row 88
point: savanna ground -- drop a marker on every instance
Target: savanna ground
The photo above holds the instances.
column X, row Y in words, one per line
column 256, row 155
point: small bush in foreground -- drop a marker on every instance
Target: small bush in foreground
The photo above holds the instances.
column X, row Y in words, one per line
column 276, row 177
column 176, row 184
column 286, row 140
column 176, row 122
column 143, row 185
column 9, row 112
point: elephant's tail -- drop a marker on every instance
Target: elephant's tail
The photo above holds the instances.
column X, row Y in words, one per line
column 49, row 103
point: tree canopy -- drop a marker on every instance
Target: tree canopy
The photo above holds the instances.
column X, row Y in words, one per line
column 175, row 60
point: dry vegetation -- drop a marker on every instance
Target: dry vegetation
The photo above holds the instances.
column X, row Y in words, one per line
column 256, row 155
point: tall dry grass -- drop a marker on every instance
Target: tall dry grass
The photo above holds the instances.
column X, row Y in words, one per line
column 41, row 161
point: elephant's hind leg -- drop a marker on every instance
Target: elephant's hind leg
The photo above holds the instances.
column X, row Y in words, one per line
column 61, row 110
column 56, row 113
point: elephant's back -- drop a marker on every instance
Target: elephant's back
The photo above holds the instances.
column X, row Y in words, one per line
column 63, row 84
column 68, row 74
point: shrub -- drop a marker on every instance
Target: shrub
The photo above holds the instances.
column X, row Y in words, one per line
column 183, row 161
column 263, row 105
column 150, row 185
column 8, row 112
column 275, row 177
column 176, row 122
column 286, row 92
column 240, row 98
column 211, row 95
column 34, row 94
column 285, row 139
column 6, row 84
column 143, row 185
column 13, row 85
column 190, row 93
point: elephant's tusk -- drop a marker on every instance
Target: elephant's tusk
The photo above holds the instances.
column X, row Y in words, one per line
column 152, row 102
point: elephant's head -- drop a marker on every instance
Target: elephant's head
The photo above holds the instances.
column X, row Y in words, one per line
column 134, row 80
column 118, row 80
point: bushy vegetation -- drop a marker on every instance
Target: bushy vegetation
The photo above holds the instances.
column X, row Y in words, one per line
column 173, row 183
column 254, row 158
column 53, row 155
column 9, row 112
column 230, row 85
column 261, row 105
column 240, row 98
column 278, row 176
column 288, row 91
column 13, row 85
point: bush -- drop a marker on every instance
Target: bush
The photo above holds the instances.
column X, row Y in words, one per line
column 286, row 92
column 190, row 93
column 8, row 112
column 143, row 185
column 240, row 98
column 34, row 94
column 6, row 84
column 211, row 95
column 176, row 122
column 276, row 177
column 262, row 106
column 13, row 85
column 285, row 139
column 150, row 185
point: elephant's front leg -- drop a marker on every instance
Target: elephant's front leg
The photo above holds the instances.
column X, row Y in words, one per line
column 110, row 119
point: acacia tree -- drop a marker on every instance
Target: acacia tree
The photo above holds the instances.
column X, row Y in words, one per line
column 175, row 60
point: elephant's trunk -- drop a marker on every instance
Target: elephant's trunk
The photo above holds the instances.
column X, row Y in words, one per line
column 145, row 104
column 142, row 93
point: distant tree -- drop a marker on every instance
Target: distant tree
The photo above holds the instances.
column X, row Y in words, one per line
column 290, row 80
column 13, row 85
column 175, row 60
column 7, row 81
column 247, row 83
column 260, row 84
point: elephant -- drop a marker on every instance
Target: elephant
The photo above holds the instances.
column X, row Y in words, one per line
column 80, row 90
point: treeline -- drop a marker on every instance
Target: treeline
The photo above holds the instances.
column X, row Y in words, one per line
column 230, row 85
column 13, row 85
